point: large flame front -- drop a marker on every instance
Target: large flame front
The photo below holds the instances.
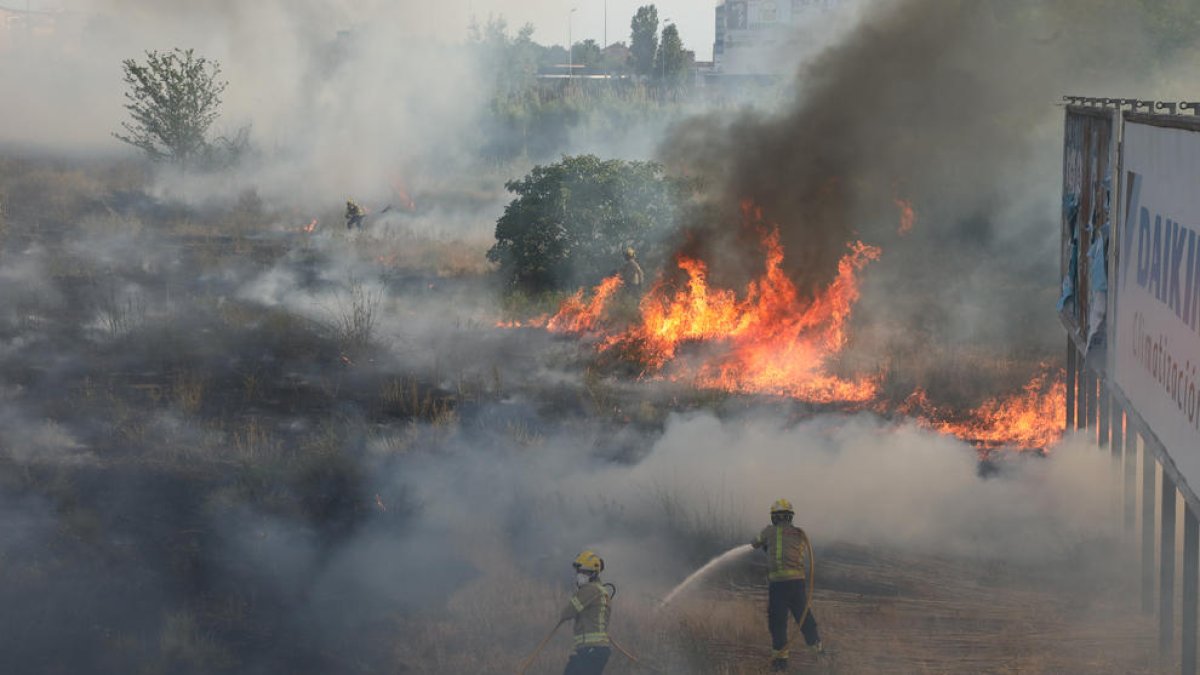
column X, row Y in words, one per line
column 771, row 341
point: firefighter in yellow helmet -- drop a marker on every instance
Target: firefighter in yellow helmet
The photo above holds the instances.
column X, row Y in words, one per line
column 788, row 552
column 355, row 215
column 589, row 608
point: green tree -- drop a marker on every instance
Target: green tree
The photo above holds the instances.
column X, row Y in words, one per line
column 643, row 40
column 587, row 54
column 173, row 99
column 571, row 220
column 510, row 61
column 672, row 63
column 615, row 58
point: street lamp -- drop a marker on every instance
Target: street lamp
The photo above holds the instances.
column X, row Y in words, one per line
column 570, row 48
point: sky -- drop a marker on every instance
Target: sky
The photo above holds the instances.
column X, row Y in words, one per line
column 694, row 18
column 448, row 19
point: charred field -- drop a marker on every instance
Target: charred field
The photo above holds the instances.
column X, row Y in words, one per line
column 234, row 442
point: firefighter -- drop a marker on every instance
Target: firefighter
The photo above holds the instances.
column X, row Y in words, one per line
column 354, row 215
column 589, row 609
column 631, row 272
column 787, row 549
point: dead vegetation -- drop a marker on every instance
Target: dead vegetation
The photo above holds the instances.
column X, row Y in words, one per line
column 193, row 460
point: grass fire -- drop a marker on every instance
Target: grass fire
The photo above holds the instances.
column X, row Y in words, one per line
column 353, row 337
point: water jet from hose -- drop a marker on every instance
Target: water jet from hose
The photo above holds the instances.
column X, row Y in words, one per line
column 708, row 567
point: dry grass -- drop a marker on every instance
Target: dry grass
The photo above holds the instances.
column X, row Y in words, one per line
column 906, row 615
column 354, row 315
column 403, row 397
column 438, row 255
column 187, row 391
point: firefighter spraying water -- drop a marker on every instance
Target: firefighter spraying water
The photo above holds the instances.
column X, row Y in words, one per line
column 790, row 565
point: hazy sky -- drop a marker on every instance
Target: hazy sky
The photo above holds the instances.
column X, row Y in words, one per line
column 694, row 18
column 448, row 19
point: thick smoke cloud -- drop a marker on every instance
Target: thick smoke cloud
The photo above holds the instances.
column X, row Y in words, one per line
column 853, row 479
column 952, row 107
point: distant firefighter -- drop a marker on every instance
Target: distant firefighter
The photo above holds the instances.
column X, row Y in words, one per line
column 354, row 215
column 789, row 555
column 589, row 609
column 631, row 272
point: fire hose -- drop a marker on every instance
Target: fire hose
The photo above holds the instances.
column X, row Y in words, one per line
column 542, row 645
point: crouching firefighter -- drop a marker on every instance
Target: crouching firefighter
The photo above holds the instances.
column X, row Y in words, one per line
column 589, row 608
column 789, row 564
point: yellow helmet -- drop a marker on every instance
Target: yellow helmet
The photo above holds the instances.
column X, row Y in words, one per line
column 588, row 561
column 630, row 253
column 782, row 505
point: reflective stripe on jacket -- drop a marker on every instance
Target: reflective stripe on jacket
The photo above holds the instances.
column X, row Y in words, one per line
column 589, row 607
column 784, row 544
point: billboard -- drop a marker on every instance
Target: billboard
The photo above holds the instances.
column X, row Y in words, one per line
column 1156, row 328
column 1088, row 153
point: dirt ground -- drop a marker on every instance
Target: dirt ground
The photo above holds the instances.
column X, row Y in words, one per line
column 890, row 613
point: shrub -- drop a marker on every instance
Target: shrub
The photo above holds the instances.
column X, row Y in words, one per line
column 571, row 220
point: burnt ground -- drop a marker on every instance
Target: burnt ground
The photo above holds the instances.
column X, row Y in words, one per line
column 200, row 479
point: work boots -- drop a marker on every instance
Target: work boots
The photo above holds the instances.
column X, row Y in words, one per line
column 779, row 665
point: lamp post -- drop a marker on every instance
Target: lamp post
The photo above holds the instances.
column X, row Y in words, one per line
column 570, row 48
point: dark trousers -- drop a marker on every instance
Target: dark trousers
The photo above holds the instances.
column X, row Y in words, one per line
column 588, row 661
column 784, row 598
column 354, row 221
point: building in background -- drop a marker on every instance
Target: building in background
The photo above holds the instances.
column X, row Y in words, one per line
column 751, row 34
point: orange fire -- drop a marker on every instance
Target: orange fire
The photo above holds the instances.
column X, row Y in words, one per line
column 908, row 216
column 576, row 316
column 310, row 228
column 402, row 194
column 772, row 341
column 1033, row 418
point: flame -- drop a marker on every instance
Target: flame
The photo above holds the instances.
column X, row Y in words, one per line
column 772, row 341
column 401, row 190
column 908, row 216
column 309, row 228
column 1031, row 419
column 576, row 316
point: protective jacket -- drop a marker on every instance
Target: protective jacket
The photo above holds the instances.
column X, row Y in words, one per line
column 354, row 210
column 785, row 547
column 589, row 607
